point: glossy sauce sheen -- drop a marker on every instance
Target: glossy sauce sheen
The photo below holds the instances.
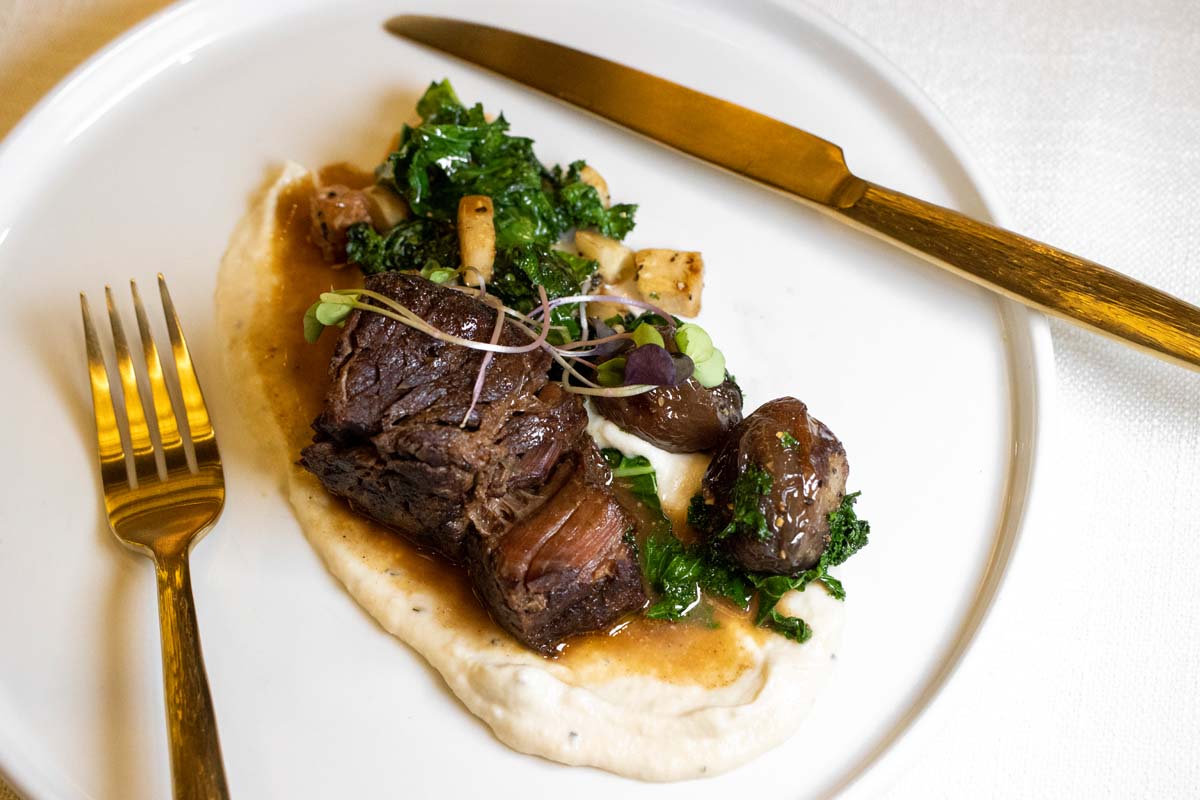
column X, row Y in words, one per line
column 707, row 653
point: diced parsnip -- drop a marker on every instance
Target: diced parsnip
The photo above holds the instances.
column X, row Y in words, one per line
column 603, row 311
column 614, row 258
column 387, row 209
column 594, row 179
column 476, row 238
column 671, row 279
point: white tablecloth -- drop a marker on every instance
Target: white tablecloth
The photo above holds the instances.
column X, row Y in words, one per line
column 1086, row 115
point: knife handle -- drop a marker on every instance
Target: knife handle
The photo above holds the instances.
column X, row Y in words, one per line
column 1033, row 273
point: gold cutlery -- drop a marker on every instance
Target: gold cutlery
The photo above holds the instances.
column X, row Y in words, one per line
column 814, row 170
column 159, row 502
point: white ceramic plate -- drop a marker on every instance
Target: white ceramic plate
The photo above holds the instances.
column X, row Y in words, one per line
column 143, row 161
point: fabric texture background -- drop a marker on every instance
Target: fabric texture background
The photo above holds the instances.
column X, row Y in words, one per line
column 1085, row 114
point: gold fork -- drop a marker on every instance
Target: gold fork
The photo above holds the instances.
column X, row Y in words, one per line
column 159, row 503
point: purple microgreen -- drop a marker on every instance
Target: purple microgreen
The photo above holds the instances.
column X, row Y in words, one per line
column 481, row 286
column 615, row 298
column 568, row 370
column 607, row 342
column 398, row 312
column 684, row 367
column 335, row 306
column 602, row 328
column 650, row 364
column 477, row 390
column 487, row 357
column 607, row 391
column 512, row 312
column 604, row 347
column 583, row 317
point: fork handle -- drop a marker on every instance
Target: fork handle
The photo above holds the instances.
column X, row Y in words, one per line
column 1033, row 273
column 197, row 772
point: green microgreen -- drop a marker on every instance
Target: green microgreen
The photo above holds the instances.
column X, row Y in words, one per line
column 694, row 342
column 611, row 372
column 331, row 309
column 647, row 334
column 711, row 371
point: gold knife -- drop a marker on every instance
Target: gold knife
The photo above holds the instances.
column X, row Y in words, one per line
column 814, row 170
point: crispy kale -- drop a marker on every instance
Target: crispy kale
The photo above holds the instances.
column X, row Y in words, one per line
column 746, row 515
column 638, row 476
column 701, row 514
column 412, row 244
column 680, row 574
column 847, row 535
column 674, row 571
column 660, row 552
column 581, row 206
column 455, row 151
column 520, row 270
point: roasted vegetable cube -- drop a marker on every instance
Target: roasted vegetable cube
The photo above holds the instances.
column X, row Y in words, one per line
column 671, row 279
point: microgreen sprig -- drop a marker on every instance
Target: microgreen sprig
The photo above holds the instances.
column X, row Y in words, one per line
column 693, row 356
column 334, row 307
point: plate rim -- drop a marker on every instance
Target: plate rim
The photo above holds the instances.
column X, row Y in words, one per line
column 1027, row 344
column 1023, row 329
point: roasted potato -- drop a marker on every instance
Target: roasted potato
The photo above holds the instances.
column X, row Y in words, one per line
column 386, row 208
column 614, row 258
column 671, row 279
column 625, row 288
column 476, row 238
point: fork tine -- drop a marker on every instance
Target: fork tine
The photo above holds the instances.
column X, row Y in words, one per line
column 164, row 409
column 113, row 473
column 204, row 441
column 140, row 442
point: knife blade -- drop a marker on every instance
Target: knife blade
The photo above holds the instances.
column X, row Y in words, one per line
column 733, row 137
column 784, row 157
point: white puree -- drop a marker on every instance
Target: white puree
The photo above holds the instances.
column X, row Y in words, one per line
column 679, row 474
column 635, row 725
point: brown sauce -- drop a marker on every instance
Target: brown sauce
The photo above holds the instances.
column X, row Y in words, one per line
column 707, row 652
column 346, row 175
